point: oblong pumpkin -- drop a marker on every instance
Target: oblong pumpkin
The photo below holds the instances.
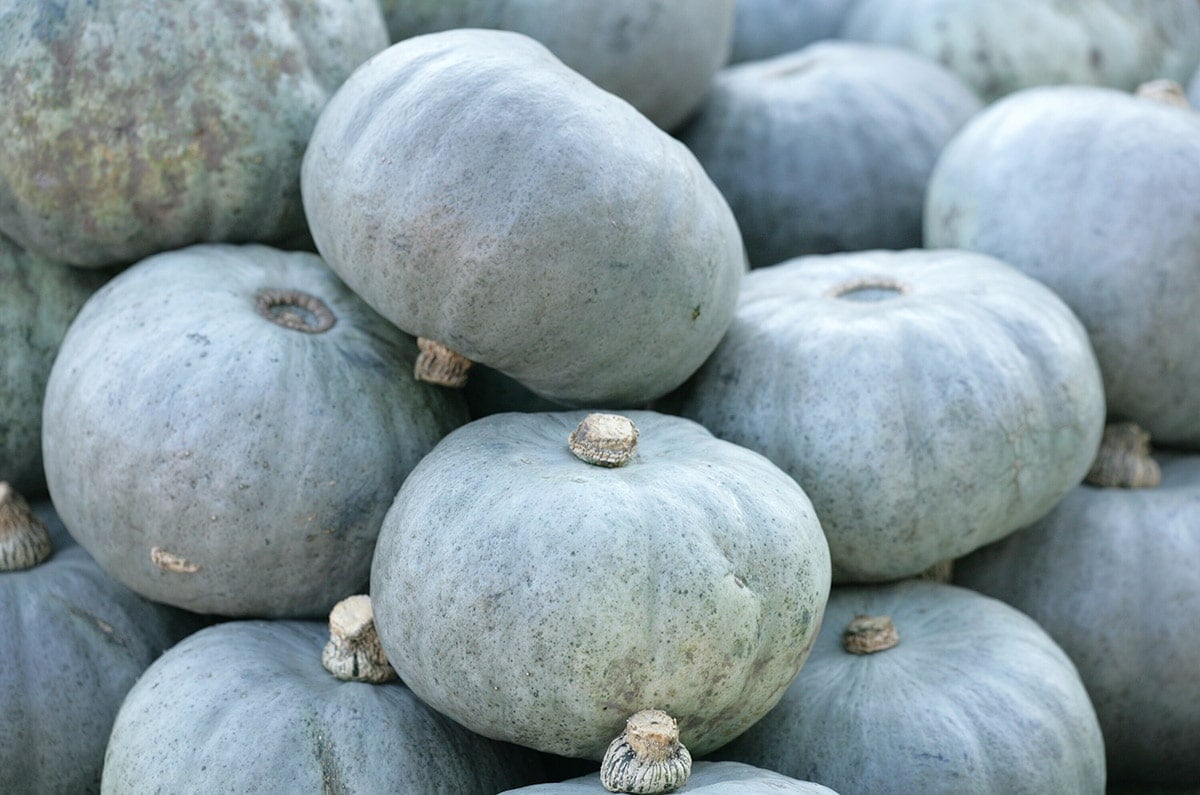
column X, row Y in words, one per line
column 927, row 401
column 539, row 599
column 225, row 427
column 592, row 261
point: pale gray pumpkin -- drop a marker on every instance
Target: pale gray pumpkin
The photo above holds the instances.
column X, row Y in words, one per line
column 829, row 148
column 707, row 778
column 222, row 445
column 543, row 600
column 246, row 706
column 765, row 28
column 975, row 698
column 1193, row 90
column 1095, row 193
column 73, row 643
column 1111, row 573
column 132, row 128
column 928, row 402
column 38, row 299
column 658, row 55
column 479, row 193
column 1001, row 46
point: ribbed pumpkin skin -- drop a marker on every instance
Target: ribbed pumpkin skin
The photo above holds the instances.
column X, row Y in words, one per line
column 177, row 417
column 976, row 698
column 133, row 128
column 658, row 55
column 477, row 192
column 38, row 299
column 1001, row 46
column 542, row 600
column 921, row 425
column 708, row 778
column 829, row 148
column 246, row 706
column 1111, row 574
column 73, row 642
column 765, row 28
column 1096, row 194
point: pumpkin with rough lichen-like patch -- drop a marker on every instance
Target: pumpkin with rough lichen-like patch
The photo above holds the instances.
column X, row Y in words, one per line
column 829, row 148
column 72, row 643
column 1096, row 194
column 929, row 402
column 1002, row 46
column 658, row 55
column 480, row 194
column 966, row 696
column 38, row 299
column 689, row 579
column 131, row 128
column 225, row 427
column 246, row 706
column 707, row 778
column 766, row 28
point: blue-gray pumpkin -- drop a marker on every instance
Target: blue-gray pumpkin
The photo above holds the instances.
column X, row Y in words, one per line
column 225, row 427
column 541, row 599
column 1095, row 193
column 765, row 28
column 928, row 402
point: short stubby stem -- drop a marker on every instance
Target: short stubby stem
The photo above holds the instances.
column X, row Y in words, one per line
column 647, row 757
column 24, row 539
column 437, row 364
column 1165, row 91
column 869, row 288
column 606, row 440
column 295, row 310
column 1124, row 460
column 870, row 635
column 353, row 653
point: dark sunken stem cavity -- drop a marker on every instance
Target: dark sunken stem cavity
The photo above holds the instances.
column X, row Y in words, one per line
column 295, row 310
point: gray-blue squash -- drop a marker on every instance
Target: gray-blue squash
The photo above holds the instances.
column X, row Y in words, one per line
column 765, row 28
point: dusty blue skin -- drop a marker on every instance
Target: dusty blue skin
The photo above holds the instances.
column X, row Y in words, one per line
column 765, row 28
column 1111, row 574
column 246, row 706
column 829, row 148
column 543, row 600
column 707, row 778
column 73, row 642
column 975, row 699
column 1094, row 193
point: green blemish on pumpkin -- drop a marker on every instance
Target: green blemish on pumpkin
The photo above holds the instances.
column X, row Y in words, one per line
column 696, row 312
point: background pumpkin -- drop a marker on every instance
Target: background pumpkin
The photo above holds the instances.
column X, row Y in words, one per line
column 593, row 262
column 132, row 128
column 225, row 427
column 765, row 28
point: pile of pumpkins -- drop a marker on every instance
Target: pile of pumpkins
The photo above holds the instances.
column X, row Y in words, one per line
column 639, row 396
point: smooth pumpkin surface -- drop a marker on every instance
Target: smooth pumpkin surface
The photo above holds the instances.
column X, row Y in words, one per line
column 1001, row 46
column 709, row 778
column 658, row 55
column 1095, row 193
column 765, row 28
column 592, row 261
column 690, row 580
column 74, row 641
column 975, row 698
column 132, row 128
column 1111, row 575
column 828, row 148
column 212, row 458
column 246, row 706
column 928, row 402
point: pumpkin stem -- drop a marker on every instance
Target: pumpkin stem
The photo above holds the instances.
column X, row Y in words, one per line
column 295, row 310
column 870, row 634
column 942, row 571
column 1123, row 460
column 353, row 653
column 606, row 440
column 647, row 757
column 869, row 288
column 440, row 365
column 24, row 540
column 1166, row 91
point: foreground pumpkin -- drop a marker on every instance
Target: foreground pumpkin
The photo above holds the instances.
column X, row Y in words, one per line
column 1095, row 193
column 926, row 687
column 675, row 572
column 73, row 643
column 592, row 261
column 225, row 427
column 248, row 706
column 1111, row 574
column 707, row 778
column 927, row 401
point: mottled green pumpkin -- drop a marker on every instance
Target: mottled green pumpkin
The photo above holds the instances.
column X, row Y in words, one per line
column 131, row 128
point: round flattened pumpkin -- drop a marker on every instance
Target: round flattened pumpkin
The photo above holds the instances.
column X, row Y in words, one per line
column 225, row 427
column 1095, row 193
column 479, row 193
column 131, row 128
column 928, row 402
column 658, row 55
column 543, row 600
column 765, row 28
